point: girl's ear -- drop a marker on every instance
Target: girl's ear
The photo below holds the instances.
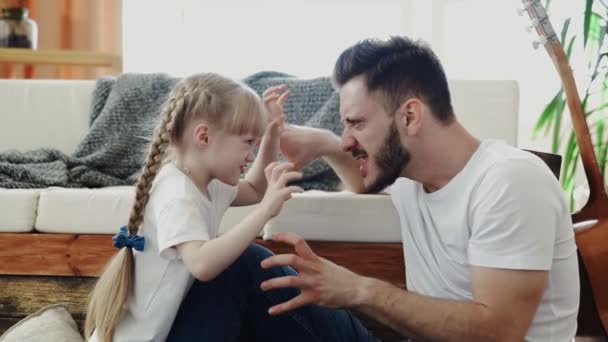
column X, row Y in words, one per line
column 200, row 134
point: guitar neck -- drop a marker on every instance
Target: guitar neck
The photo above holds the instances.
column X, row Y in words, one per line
column 597, row 191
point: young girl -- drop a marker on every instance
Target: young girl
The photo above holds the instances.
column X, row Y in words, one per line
column 211, row 124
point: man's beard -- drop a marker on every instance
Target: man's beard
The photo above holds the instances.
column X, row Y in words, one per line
column 390, row 160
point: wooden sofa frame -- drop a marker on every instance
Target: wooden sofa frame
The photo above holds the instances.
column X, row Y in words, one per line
column 42, row 269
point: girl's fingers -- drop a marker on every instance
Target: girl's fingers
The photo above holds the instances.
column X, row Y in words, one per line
column 270, row 98
column 269, row 169
column 277, row 171
column 294, row 189
column 283, row 98
column 274, row 89
column 287, row 177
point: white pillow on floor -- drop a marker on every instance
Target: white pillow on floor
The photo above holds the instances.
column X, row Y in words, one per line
column 52, row 323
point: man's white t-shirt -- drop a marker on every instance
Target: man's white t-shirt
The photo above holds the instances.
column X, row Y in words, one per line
column 504, row 209
column 177, row 212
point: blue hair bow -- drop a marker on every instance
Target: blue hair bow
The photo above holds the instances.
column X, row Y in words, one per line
column 123, row 239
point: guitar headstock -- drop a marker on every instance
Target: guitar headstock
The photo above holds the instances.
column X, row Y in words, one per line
column 541, row 23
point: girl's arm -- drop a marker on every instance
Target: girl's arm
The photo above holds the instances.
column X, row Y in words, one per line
column 207, row 259
column 251, row 189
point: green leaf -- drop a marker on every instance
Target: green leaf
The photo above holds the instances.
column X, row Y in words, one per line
column 587, row 20
column 546, row 118
column 602, row 145
column 565, row 27
column 603, row 157
column 599, row 129
column 557, row 127
column 570, row 193
column 569, row 158
column 569, row 48
column 602, row 34
column 594, row 34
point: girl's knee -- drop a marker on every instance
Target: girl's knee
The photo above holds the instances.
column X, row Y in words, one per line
column 256, row 252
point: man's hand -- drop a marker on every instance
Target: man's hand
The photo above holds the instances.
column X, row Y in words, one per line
column 301, row 145
column 319, row 280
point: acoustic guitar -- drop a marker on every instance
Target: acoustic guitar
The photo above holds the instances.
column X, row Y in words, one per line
column 591, row 222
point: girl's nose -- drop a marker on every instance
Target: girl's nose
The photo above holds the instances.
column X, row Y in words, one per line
column 250, row 157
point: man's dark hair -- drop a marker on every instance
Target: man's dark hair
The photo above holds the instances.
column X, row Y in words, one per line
column 396, row 69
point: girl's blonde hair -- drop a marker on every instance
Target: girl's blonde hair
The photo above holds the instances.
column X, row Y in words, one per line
column 221, row 102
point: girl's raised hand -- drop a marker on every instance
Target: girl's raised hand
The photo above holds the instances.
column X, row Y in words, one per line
column 278, row 175
column 274, row 98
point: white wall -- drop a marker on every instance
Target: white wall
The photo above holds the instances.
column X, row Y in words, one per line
column 476, row 39
column 240, row 37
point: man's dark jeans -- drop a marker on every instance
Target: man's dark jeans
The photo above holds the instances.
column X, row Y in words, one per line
column 232, row 307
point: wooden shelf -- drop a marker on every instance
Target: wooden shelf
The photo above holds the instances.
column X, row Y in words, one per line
column 61, row 57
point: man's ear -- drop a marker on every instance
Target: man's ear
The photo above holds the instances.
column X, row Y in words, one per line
column 200, row 134
column 410, row 116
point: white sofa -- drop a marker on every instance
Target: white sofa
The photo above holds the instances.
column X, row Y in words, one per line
column 54, row 114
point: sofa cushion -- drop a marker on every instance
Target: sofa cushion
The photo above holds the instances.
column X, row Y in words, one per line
column 84, row 211
column 52, row 323
column 98, row 211
column 44, row 113
column 338, row 216
column 18, row 209
column 316, row 215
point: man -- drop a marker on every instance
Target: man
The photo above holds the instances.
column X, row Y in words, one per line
column 489, row 243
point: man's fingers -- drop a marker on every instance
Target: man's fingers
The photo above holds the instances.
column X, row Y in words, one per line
column 284, row 260
column 301, row 247
column 283, row 282
column 274, row 89
column 294, row 303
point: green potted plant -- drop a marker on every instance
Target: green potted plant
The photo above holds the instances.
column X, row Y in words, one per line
column 584, row 30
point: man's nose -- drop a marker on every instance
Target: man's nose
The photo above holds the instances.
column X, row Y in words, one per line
column 348, row 142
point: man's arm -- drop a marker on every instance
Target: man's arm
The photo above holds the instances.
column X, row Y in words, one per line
column 301, row 145
column 503, row 306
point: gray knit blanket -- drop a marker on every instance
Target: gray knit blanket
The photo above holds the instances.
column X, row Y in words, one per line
column 123, row 114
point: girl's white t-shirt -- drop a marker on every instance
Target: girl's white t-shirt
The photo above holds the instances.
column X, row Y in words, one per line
column 177, row 212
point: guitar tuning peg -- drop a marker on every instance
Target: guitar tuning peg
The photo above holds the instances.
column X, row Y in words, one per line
column 541, row 41
column 532, row 25
column 521, row 11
